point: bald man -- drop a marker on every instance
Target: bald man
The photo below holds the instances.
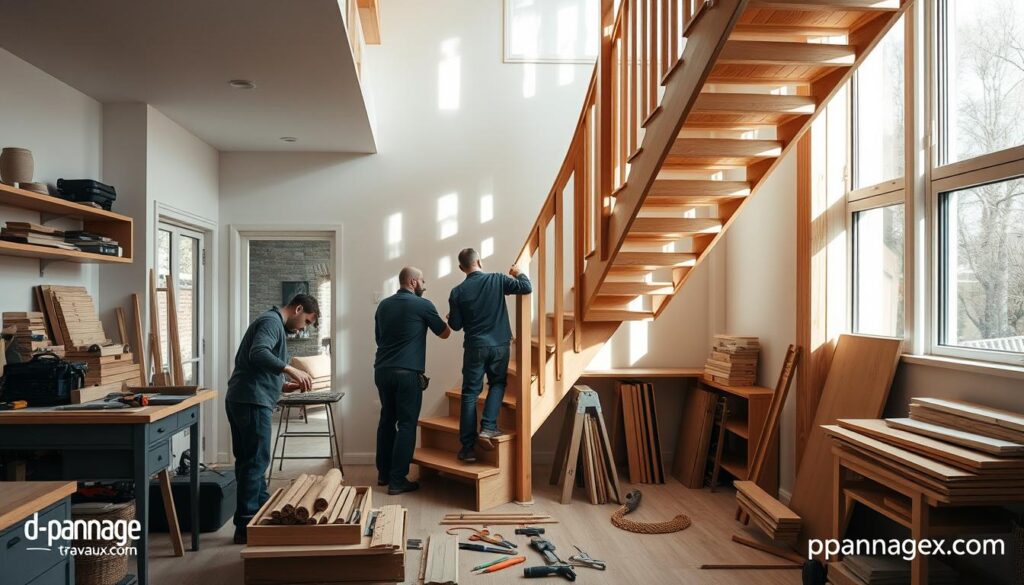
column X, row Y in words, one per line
column 402, row 321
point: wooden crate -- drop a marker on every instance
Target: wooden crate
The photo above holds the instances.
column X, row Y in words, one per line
column 308, row 534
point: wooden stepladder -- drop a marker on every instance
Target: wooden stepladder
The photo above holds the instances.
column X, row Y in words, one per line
column 584, row 428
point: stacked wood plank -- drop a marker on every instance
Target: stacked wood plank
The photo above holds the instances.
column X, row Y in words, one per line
column 344, row 554
column 694, row 438
column 316, row 499
column 495, row 518
column 109, row 368
column 30, row 334
column 72, row 316
column 969, row 417
column 733, row 360
column 884, row 570
column 643, row 442
column 771, row 516
column 442, row 560
column 946, row 472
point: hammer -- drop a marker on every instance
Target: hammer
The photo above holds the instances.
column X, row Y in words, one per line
column 530, row 531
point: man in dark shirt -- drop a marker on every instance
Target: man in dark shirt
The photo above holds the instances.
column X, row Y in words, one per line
column 401, row 324
column 253, row 390
column 478, row 306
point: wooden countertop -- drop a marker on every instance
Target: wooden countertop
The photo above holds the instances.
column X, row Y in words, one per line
column 146, row 414
column 743, row 391
column 645, row 373
column 21, row 499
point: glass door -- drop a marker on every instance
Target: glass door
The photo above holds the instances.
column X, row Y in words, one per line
column 181, row 256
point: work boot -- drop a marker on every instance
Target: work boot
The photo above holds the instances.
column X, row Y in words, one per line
column 466, row 455
column 381, row 480
column 241, row 537
column 408, row 486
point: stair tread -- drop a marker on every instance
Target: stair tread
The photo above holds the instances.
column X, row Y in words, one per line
column 754, row 102
column 786, row 53
column 676, row 226
column 698, row 188
column 829, row 5
column 655, row 260
column 449, row 463
column 619, row 315
column 450, row 424
column 635, row 288
column 508, row 400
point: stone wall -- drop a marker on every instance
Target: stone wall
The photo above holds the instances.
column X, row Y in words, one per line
column 272, row 262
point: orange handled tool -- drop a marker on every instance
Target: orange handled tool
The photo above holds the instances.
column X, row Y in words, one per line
column 503, row 564
column 15, row 405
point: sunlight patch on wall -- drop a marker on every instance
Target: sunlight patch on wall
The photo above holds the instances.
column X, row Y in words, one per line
column 486, row 208
column 603, row 359
column 529, row 80
column 449, row 76
column 447, row 215
column 487, row 248
column 394, row 236
column 390, row 286
column 639, row 336
column 444, row 266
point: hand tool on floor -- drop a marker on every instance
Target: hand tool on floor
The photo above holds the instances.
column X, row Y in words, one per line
column 484, row 535
column 503, row 565
column 555, row 565
column 487, row 549
column 414, row 544
column 15, row 405
column 529, row 531
column 585, row 560
column 371, row 523
column 489, row 563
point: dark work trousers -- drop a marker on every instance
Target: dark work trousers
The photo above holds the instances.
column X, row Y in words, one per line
column 250, row 443
column 476, row 362
column 400, row 401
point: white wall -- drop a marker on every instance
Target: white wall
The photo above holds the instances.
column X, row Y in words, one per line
column 504, row 134
column 758, row 260
column 63, row 129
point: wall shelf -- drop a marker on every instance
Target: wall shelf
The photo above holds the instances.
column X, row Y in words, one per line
column 99, row 221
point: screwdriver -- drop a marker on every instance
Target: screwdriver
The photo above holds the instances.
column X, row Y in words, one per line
column 503, row 564
column 15, row 405
column 489, row 563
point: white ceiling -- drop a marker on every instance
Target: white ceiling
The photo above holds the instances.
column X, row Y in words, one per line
column 178, row 56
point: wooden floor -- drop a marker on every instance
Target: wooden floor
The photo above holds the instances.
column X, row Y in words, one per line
column 648, row 559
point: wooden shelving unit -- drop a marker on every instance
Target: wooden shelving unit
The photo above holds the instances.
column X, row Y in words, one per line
column 105, row 223
column 748, row 409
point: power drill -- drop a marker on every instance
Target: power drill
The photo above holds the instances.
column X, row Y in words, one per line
column 554, row 566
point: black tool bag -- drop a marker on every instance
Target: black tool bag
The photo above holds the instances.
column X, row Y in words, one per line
column 218, row 497
column 87, row 191
column 45, row 380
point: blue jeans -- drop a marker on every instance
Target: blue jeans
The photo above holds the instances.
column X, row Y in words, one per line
column 250, row 443
column 400, row 401
column 476, row 362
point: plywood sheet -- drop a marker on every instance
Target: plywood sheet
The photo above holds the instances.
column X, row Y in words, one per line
column 951, row 454
column 857, row 386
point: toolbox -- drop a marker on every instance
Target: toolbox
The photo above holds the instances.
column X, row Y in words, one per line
column 87, row 191
column 218, row 494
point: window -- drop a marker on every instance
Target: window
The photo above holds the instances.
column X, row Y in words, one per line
column 981, row 77
column 981, row 259
column 179, row 254
column 878, row 149
column 878, row 248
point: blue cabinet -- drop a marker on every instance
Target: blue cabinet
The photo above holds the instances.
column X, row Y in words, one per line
column 22, row 562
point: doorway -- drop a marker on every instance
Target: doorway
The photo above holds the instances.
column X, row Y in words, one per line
column 181, row 262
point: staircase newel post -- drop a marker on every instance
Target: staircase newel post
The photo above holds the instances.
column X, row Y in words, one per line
column 524, row 424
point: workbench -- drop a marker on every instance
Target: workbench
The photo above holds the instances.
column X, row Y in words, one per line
column 19, row 502
column 129, row 444
column 861, row 480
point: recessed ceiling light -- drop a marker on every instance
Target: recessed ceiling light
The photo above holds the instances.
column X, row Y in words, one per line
column 289, row 139
column 242, row 84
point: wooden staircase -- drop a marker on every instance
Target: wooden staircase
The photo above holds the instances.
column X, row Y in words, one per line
column 691, row 106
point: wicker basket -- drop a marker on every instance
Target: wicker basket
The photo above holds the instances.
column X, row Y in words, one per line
column 102, row 569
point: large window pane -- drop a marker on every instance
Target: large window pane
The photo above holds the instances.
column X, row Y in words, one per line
column 879, row 112
column 982, row 265
column 878, row 271
column 981, row 48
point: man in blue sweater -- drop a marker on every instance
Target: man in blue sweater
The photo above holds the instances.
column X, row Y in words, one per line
column 478, row 306
column 401, row 324
column 253, row 389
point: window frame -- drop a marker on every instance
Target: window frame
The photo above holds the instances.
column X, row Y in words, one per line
column 854, row 207
column 942, row 178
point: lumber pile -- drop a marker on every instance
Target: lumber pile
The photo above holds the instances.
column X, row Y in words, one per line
column 771, row 516
column 969, row 417
column 316, row 499
column 643, row 443
column 72, row 316
column 442, row 560
column 30, row 336
column 733, row 360
column 106, row 367
column 884, row 570
column 376, row 555
column 585, row 449
column 694, row 437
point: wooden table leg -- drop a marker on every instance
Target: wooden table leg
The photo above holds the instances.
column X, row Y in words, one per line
column 173, row 529
column 919, row 513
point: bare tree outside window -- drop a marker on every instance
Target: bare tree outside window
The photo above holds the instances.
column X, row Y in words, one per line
column 983, row 301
